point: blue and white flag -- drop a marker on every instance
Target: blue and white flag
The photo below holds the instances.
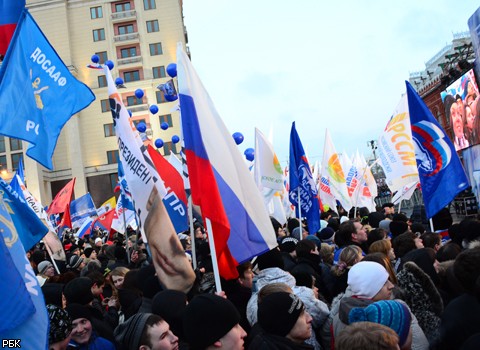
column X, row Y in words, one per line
column 13, row 287
column 441, row 173
column 81, row 209
column 33, row 332
column 29, row 227
column 301, row 178
column 38, row 94
column 125, row 194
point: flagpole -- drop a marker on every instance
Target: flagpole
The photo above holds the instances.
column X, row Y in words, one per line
column 192, row 233
column 431, row 225
column 213, row 254
column 400, row 206
column 299, row 212
column 50, row 254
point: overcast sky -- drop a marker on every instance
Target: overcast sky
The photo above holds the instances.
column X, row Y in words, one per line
column 339, row 65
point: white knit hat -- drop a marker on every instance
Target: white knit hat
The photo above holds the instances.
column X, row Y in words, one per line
column 366, row 279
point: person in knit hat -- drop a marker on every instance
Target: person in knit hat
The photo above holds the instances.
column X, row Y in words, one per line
column 45, row 271
column 284, row 322
column 368, row 282
column 145, row 331
column 390, row 313
column 60, row 330
column 212, row 322
column 76, row 264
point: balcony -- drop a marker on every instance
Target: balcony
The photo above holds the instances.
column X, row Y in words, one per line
column 128, row 60
column 126, row 38
column 124, row 16
column 137, row 108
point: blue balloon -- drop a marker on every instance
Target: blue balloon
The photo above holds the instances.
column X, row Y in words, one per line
column 172, row 70
column 164, row 126
column 170, row 98
column 159, row 143
column 249, row 154
column 139, row 93
column 95, row 58
column 238, row 137
column 118, row 81
column 129, row 112
column 153, row 109
column 110, row 64
column 175, row 139
column 141, row 127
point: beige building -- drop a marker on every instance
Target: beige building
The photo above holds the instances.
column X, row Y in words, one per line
column 140, row 37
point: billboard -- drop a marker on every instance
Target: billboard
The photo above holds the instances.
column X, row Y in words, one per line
column 463, row 111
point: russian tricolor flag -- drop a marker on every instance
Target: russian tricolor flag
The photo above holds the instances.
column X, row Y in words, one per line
column 220, row 181
column 10, row 11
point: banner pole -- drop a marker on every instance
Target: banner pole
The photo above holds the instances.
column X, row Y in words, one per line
column 51, row 257
column 213, row 254
column 192, row 233
column 431, row 225
column 299, row 213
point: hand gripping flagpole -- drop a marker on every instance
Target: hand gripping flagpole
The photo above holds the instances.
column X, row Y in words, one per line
column 213, row 254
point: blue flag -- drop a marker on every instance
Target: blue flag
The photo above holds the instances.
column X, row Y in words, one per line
column 29, row 227
column 441, row 173
column 38, row 94
column 13, row 288
column 301, row 178
column 33, row 332
column 125, row 194
column 81, row 209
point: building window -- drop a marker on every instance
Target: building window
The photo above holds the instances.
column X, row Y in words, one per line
column 102, row 81
column 156, row 49
column 105, row 105
column 98, row 34
column 133, row 100
column 138, row 121
column 2, row 143
column 160, row 97
column 16, row 157
column 103, row 56
column 123, row 6
column 167, row 118
column 109, row 130
column 131, row 76
column 168, row 148
column 149, row 4
column 113, row 181
column 152, row 26
column 127, row 29
column 3, row 162
column 159, row 72
column 128, row 52
column 96, row 12
column 15, row 144
column 112, row 157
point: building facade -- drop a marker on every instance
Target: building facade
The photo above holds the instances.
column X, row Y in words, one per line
column 451, row 62
column 140, row 37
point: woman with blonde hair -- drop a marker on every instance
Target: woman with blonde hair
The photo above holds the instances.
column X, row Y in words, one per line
column 349, row 256
column 383, row 246
column 118, row 275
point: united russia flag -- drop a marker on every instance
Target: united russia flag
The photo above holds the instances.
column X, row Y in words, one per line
column 220, row 181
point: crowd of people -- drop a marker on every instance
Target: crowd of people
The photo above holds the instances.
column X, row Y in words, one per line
column 365, row 280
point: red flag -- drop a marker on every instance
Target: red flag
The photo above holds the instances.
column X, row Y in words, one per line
column 169, row 174
column 66, row 221
column 105, row 221
column 62, row 199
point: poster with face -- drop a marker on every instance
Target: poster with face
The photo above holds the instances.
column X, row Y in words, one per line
column 460, row 101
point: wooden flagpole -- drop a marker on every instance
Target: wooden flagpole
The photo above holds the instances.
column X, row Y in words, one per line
column 213, row 254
